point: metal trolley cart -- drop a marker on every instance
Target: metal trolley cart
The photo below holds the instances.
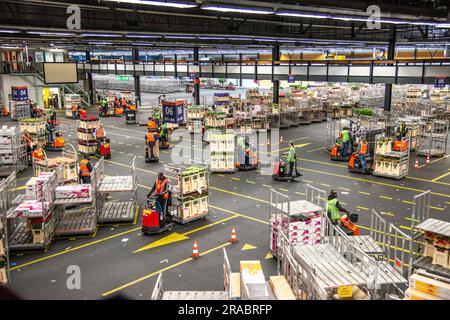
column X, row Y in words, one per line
column 31, row 219
column 433, row 138
column 13, row 153
column 389, row 163
column 189, row 193
column 78, row 220
column 69, row 160
column 222, row 148
column 117, row 210
column 195, row 115
column 7, row 187
column 36, row 130
column 87, row 142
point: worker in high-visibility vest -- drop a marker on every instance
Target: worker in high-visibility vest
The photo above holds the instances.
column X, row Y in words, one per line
column 59, row 141
column 74, row 110
column 38, row 154
column 124, row 103
column 100, row 132
column 150, row 140
column 334, row 207
column 345, row 138
column 164, row 133
column 85, row 170
column 49, row 131
column 362, row 152
column 161, row 192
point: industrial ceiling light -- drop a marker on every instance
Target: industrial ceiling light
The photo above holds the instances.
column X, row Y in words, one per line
column 143, row 36
column 9, row 31
column 173, row 4
column 237, row 9
column 443, row 25
column 100, row 35
column 51, row 33
column 179, row 37
column 302, row 15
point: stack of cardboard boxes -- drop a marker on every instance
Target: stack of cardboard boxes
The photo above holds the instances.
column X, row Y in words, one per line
column 222, row 152
column 87, row 142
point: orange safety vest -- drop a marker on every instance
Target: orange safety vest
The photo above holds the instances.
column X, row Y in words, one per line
column 74, row 107
column 84, row 168
column 124, row 102
column 363, row 149
column 161, row 187
column 38, row 154
column 59, row 142
column 150, row 137
column 100, row 133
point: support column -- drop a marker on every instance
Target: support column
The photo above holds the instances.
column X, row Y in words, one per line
column 197, row 79
column 90, row 82
column 390, row 56
column 137, row 78
column 276, row 83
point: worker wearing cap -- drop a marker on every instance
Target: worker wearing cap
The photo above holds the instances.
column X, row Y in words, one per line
column 160, row 189
column 150, row 140
column 345, row 138
column 334, row 207
column 85, row 170
column 362, row 152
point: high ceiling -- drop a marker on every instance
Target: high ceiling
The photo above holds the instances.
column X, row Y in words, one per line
column 222, row 24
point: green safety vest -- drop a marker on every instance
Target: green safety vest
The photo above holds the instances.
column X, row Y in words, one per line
column 157, row 115
column 345, row 136
column 291, row 155
column 333, row 209
column 163, row 130
column 104, row 103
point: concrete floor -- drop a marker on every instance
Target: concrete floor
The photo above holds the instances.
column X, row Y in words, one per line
column 109, row 266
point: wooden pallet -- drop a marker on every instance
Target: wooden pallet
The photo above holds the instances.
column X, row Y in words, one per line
column 117, row 212
column 22, row 240
column 75, row 222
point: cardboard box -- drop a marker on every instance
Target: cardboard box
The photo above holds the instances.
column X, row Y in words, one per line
column 281, row 288
column 73, row 191
column 413, row 294
column 253, row 282
column 430, row 286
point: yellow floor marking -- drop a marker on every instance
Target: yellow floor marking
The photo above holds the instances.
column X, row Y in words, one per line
column 247, row 247
column 282, row 189
column 239, row 214
column 221, row 175
column 344, row 203
column 406, row 228
column 447, row 202
column 433, row 161
column 316, row 149
column 411, row 219
column 252, row 182
column 345, row 189
column 308, row 181
column 366, row 193
column 325, row 185
column 428, row 180
column 442, row 176
column 407, row 202
column 300, row 193
column 436, row 208
column 387, row 213
column 171, row 238
column 267, row 186
column 163, row 269
column 235, row 178
column 75, row 248
column 385, row 197
column 302, row 145
column 362, row 208
column 20, row 188
column 268, row 256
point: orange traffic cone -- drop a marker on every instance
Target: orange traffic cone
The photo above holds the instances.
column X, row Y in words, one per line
column 416, row 165
column 233, row 235
column 427, row 161
column 195, row 254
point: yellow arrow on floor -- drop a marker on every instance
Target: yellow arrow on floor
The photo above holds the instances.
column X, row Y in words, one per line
column 268, row 256
column 247, row 247
column 171, row 238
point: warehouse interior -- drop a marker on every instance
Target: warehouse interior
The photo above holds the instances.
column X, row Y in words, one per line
column 225, row 150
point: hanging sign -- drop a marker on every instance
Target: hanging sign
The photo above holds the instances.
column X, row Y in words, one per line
column 19, row 93
column 291, row 78
column 440, row 82
column 173, row 114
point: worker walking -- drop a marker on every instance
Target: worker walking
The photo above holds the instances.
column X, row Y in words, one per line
column 160, row 190
column 362, row 152
column 85, row 170
column 74, row 110
column 345, row 138
column 334, row 207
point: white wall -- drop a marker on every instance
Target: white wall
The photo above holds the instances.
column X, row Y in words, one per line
column 8, row 81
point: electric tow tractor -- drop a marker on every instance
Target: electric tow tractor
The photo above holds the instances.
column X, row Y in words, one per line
column 57, row 144
column 348, row 224
column 152, row 221
column 250, row 161
column 152, row 155
column 354, row 164
column 281, row 172
column 336, row 154
column 104, row 148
